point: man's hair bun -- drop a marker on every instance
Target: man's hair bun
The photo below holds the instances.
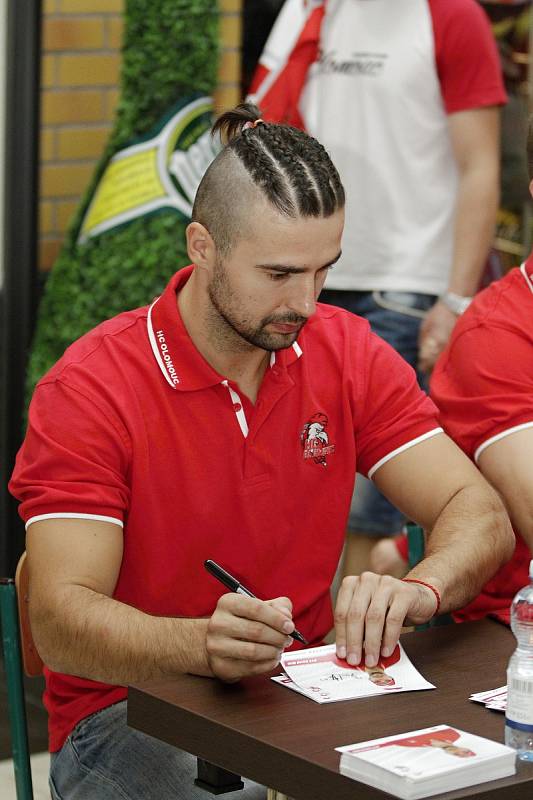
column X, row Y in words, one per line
column 232, row 123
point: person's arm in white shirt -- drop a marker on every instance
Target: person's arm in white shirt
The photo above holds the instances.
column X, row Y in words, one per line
column 475, row 136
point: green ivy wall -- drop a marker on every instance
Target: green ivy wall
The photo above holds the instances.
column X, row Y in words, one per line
column 170, row 52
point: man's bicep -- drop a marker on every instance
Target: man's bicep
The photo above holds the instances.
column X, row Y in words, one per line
column 66, row 552
column 507, row 464
column 394, row 412
column 421, row 480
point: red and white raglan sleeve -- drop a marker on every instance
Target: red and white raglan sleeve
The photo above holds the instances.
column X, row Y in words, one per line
column 483, row 386
column 291, row 48
column 396, row 414
column 74, row 459
column 468, row 63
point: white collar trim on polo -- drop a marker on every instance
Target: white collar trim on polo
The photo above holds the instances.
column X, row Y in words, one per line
column 151, row 335
column 295, row 346
column 236, row 400
column 526, row 276
column 169, row 370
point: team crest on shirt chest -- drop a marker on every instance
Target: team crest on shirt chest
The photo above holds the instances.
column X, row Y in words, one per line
column 315, row 440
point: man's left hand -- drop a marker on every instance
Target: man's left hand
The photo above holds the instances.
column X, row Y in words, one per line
column 370, row 612
column 434, row 334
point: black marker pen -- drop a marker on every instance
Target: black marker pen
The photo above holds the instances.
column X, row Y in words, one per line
column 234, row 585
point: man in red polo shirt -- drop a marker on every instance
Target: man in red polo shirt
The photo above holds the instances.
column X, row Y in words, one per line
column 226, row 421
column 483, row 385
column 413, row 130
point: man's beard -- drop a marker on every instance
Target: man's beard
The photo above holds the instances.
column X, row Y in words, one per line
column 238, row 325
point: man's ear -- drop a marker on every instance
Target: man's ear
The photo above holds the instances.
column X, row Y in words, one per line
column 200, row 245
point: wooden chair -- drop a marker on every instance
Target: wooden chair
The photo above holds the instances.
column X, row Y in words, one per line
column 20, row 655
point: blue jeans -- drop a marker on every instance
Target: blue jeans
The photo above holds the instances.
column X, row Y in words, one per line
column 104, row 759
column 396, row 317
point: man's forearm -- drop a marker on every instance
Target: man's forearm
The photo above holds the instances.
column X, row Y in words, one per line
column 477, row 204
column 470, row 541
column 94, row 636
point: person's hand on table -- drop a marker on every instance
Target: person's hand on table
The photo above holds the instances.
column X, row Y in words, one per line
column 246, row 636
column 370, row 612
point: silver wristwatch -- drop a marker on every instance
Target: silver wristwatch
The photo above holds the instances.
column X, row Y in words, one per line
column 456, row 302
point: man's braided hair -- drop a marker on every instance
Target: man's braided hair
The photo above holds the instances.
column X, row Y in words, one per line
column 291, row 169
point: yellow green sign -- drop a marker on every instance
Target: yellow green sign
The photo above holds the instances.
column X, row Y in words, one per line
column 162, row 171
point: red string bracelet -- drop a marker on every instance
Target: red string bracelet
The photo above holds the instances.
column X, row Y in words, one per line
column 428, row 586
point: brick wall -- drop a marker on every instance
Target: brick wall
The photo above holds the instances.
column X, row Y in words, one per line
column 228, row 92
column 80, row 70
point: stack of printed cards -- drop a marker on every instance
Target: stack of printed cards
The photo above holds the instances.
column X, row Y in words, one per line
column 495, row 699
column 426, row 762
column 318, row 673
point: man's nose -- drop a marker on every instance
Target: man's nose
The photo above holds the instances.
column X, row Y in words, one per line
column 303, row 299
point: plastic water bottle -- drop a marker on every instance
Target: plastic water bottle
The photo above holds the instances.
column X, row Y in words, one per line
column 519, row 714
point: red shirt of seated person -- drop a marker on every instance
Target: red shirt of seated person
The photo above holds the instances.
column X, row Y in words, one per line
column 483, row 386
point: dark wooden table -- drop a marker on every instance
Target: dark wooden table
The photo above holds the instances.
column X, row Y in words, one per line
column 283, row 740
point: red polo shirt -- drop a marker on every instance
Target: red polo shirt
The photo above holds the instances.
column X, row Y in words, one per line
column 133, row 426
column 483, row 385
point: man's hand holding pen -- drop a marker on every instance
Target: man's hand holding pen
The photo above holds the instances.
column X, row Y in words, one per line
column 246, row 636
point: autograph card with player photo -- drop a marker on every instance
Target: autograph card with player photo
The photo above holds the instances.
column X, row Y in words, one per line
column 319, row 674
column 494, row 699
column 426, row 762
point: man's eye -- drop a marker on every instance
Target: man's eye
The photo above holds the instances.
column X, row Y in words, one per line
column 278, row 276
